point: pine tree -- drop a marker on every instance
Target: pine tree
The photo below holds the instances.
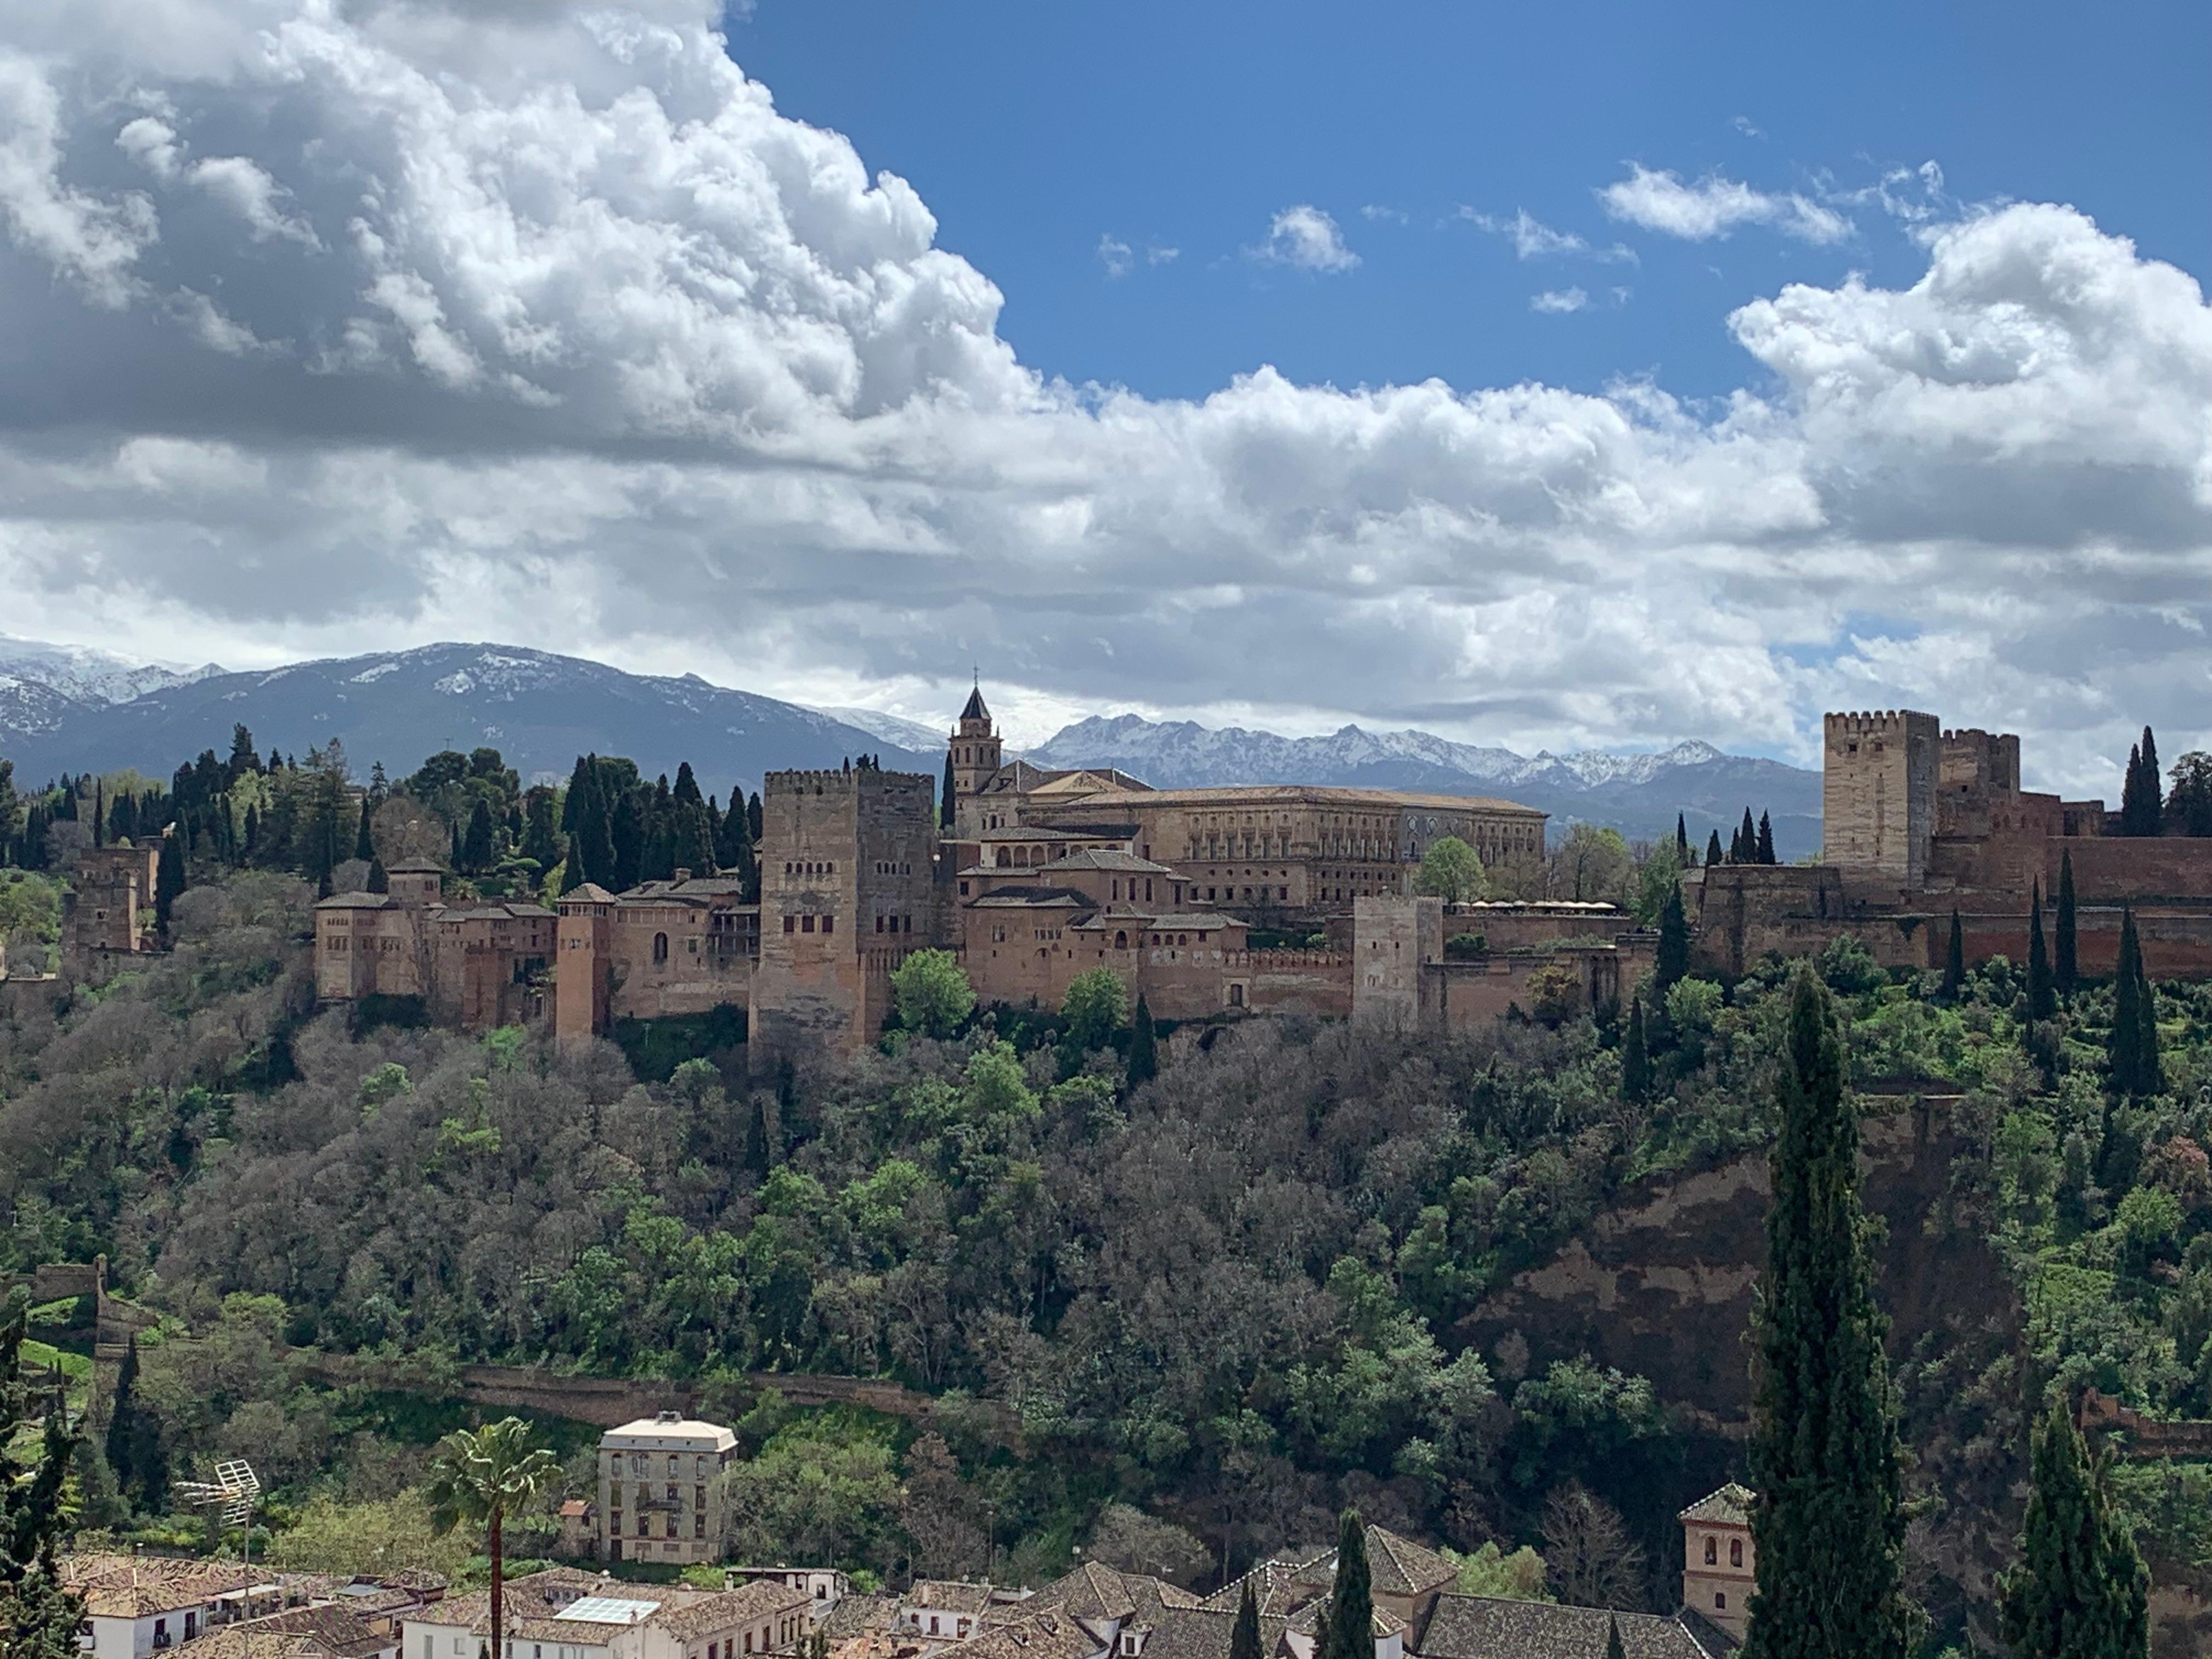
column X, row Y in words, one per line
column 40, row 1618
column 1954, row 960
column 1635, row 1058
column 2080, row 1589
column 168, row 879
column 1144, row 1045
column 2065, row 970
column 2042, row 998
column 1824, row 1454
column 1712, row 849
column 1244, row 1634
column 1612, row 1648
column 364, row 844
column 2132, row 1048
column 1350, row 1634
column 1682, row 842
column 1766, row 839
column 1672, row 960
column 945, row 795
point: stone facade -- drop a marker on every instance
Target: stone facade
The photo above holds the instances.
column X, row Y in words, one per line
column 1408, row 974
column 108, row 913
column 475, row 967
column 1878, row 784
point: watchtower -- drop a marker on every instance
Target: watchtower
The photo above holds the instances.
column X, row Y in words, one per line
column 976, row 755
column 583, row 971
column 1720, row 1562
column 111, row 905
column 1878, row 784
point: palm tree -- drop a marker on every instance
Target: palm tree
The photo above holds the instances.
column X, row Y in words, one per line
column 482, row 1476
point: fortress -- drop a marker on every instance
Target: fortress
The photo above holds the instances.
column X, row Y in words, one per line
column 1033, row 877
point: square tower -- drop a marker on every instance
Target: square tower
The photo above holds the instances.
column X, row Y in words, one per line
column 848, row 880
column 1720, row 1563
column 975, row 753
column 1878, row 784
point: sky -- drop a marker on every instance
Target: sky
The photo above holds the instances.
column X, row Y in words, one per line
column 1580, row 375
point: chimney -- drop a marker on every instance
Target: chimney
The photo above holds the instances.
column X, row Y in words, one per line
column 683, row 875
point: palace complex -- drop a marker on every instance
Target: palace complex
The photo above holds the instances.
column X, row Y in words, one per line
column 1035, row 876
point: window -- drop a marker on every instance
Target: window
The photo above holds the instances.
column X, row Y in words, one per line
column 1720, row 1600
column 1712, row 1551
column 661, row 947
column 828, row 924
column 1736, row 1552
column 790, row 924
column 806, row 924
column 932, row 1623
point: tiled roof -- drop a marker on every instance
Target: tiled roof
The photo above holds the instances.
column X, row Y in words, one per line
column 1307, row 1619
column 1093, row 1590
column 1040, row 1636
column 944, row 1595
column 761, row 1598
column 590, row 893
column 1292, row 794
column 1100, row 858
column 1187, row 922
column 1476, row 1627
column 416, row 868
column 139, row 1587
column 859, row 1615
column 1399, row 1566
column 1280, row 1585
column 1036, row 832
column 335, row 1631
column 353, row 901
column 1033, row 898
column 538, row 1596
column 1727, row 1506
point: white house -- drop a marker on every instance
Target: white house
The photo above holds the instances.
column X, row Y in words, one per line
column 566, row 1615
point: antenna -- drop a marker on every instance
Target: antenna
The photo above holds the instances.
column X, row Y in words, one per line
column 232, row 1492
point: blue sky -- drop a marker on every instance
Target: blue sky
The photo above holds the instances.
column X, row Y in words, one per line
column 1033, row 130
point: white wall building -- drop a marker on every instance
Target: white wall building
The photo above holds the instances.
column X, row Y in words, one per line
column 661, row 1492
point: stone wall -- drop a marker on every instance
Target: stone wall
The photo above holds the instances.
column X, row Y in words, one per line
column 2113, row 869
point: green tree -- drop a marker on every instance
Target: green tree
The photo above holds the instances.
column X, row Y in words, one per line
column 2042, row 996
column 2080, row 1589
column 1096, row 1007
column 1592, row 865
column 1612, row 1648
column 2189, row 802
column 364, row 844
column 1351, row 1630
column 1244, row 1634
column 134, row 1439
column 1954, row 959
column 2066, row 971
column 1144, row 1046
column 1766, row 839
column 1451, row 870
column 945, row 795
column 1661, row 875
column 168, row 877
column 2131, row 1048
column 932, row 994
column 12, row 810
column 586, row 820
column 1829, row 1524
column 2141, row 811
column 1746, row 837
column 1635, row 1058
column 39, row 1617
column 734, row 838
column 478, row 848
column 1681, row 842
column 482, row 1477
column 1672, row 960
column 1712, row 849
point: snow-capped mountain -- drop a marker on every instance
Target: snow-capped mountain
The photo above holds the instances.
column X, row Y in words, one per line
column 891, row 728
column 540, row 710
column 88, row 675
column 1639, row 794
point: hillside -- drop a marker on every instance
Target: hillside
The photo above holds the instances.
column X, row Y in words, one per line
column 540, row 710
column 1639, row 794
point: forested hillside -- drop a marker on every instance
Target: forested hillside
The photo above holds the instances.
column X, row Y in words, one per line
column 1233, row 1298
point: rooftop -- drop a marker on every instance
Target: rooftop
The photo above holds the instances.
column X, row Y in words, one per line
column 1476, row 1627
column 1297, row 794
column 668, row 1432
column 1728, row 1505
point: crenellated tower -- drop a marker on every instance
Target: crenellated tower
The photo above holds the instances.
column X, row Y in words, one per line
column 1878, row 786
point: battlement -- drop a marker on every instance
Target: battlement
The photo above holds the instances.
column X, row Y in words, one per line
column 1881, row 771
column 836, row 780
column 1879, row 722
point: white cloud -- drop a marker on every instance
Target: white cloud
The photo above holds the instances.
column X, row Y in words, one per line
column 1157, row 255
column 1532, row 239
column 1742, row 124
column 1713, row 206
column 1559, row 301
column 1114, row 253
column 1306, row 237
column 594, row 349
column 1376, row 214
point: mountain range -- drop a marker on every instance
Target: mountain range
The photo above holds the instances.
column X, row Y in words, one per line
column 74, row 709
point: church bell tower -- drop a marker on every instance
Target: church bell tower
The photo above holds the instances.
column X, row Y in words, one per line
column 975, row 759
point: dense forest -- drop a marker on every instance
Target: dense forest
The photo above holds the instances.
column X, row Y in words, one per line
column 1199, row 1312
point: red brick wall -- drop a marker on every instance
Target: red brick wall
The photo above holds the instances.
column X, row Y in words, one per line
column 2114, row 868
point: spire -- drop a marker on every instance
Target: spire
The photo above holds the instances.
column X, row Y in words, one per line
column 975, row 710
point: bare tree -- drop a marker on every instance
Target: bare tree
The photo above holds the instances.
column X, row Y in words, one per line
column 1593, row 1561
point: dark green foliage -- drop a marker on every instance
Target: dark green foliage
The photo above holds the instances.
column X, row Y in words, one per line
column 626, row 865
column 655, row 1048
column 379, row 879
column 1672, row 960
column 168, row 878
column 39, row 1617
column 753, row 816
column 686, row 792
column 2132, row 1048
column 588, row 820
column 364, row 844
column 1144, row 1062
column 2066, row 973
column 1766, row 839
column 1635, row 1057
column 2142, row 809
column 1712, row 849
column 2042, row 994
column 1350, row 1634
column 1747, row 835
column 2080, row 1590
column 1612, row 1648
column 1823, row 1456
column 2188, row 803
column 1244, row 1634
column 134, row 1440
column 541, row 828
column 1954, row 959
column 479, row 849
column 1681, row 842
column 945, row 795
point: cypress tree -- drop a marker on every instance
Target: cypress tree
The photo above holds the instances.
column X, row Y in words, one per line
column 1712, row 849
column 945, row 795
column 1672, row 957
column 1749, row 833
column 628, row 835
column 99, row 812
column 1766, row 839
column 1635, row 1058
column 478, row 847
column 2080, row 1589
column 1350, row 1634
column 686, row 793
column 2132, row 1048
column 39, row 1617
column 2066, row 971
column 753, row 818
column 364, row 844
column 1954, row 960
column 1829, row 1523
column 379, row 880
column 733, row 839
column 1143, row 1049
column 1681, row 842
column 168, row 878
column 1612, row 1648
column 1244, row 1634
column 2131, row 792
column 2042, row 998
column 2153, row 809
column 120, row 1413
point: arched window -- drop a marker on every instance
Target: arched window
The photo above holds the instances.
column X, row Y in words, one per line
column 1712, row 1551
column 1005, row 859
column 1121, row 941
column 1736, row 1552
column 1021, row 855
column 661, row 947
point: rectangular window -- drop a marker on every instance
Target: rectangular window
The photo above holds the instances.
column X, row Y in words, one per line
column 806, row 924
column 789, row 923
column 828, row 924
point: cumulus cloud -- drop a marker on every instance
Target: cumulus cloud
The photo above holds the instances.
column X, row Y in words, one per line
column 587, row 345
column 1559, row 301
column 1307, row 238
column 1115, row 254
column 1713, row 206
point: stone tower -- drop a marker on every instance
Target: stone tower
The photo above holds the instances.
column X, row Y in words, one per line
column 109, row 909
column 975, row 760
column 1878, row 783
column 1720, row 1563
column 848, row 887
column 583, row 966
